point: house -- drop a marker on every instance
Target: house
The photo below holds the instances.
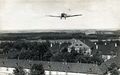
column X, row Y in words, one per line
column 83, row 46
column 79, row 46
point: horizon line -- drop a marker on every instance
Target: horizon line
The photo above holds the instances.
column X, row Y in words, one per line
column 54, row 30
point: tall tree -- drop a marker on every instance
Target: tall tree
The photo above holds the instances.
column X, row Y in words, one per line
column 19, row 71
column 37, row 69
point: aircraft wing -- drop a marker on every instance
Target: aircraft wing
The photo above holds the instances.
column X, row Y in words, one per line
column 74, row 15
column 53, row 16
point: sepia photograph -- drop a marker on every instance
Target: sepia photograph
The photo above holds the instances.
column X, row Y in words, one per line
column 59, row 37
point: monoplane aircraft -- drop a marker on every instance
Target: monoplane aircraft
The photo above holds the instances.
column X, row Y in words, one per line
column 64, row 15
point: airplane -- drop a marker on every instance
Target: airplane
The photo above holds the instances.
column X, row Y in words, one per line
column 64, row 15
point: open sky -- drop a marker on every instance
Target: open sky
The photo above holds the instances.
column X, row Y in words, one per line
column 32, row 14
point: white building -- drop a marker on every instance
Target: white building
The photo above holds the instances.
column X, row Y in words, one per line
column 79, row 46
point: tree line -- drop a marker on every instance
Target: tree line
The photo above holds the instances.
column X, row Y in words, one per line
column 42, row 51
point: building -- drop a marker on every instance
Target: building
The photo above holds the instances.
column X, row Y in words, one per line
column 55, row 68
column 79, row 46
column 84, row 46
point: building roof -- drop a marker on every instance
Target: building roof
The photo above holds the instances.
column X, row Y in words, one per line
column 54, row 66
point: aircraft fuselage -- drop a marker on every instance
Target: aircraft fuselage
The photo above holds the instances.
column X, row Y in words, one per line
column 63, row 15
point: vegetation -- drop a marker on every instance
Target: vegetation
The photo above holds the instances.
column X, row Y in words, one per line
column 113, row 70
column 19, row 71
column 37, row 69
column 42, row 51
